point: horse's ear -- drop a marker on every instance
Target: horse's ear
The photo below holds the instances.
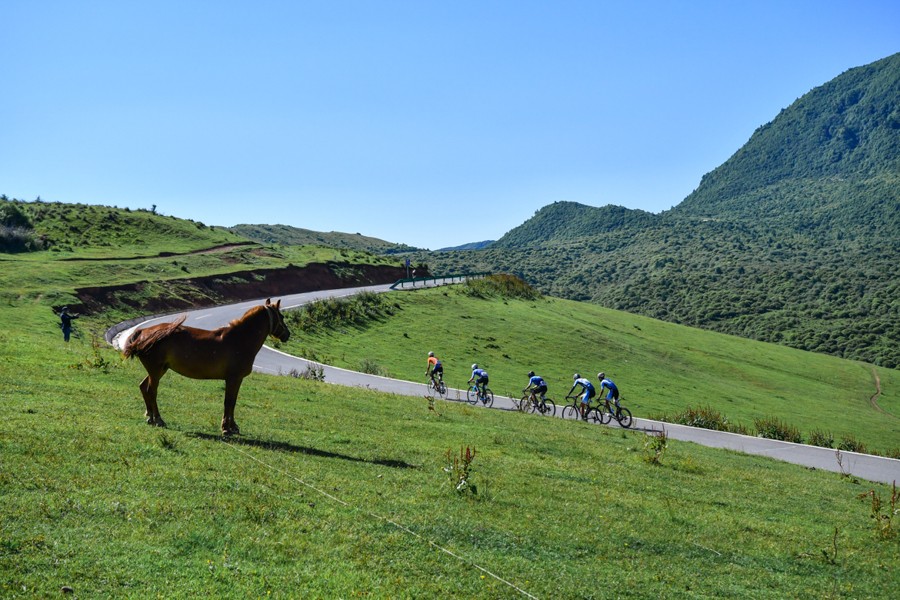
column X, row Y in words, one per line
column 278, row 304
column 268, row 301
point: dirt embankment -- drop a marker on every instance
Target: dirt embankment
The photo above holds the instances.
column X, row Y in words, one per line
column 161, row 297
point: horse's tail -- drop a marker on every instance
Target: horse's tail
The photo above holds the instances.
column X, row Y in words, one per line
column 142, row 340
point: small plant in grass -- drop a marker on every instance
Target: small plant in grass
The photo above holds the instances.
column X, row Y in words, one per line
column 884, row 515
column 459, row 469
column 167, row 442
column 776, row 429
column 655, row 446
column 96, row 361
column 831, row 557
column 821, row 438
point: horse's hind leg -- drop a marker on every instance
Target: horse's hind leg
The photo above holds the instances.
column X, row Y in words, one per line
column 232, row 387
column 149, row 387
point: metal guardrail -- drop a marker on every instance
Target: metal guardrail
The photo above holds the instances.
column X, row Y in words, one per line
column 423, row 282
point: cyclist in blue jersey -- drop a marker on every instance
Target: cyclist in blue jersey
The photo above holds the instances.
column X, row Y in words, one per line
column 480, row 377
column 536, row 385
column 609, row 385
column 589, row 392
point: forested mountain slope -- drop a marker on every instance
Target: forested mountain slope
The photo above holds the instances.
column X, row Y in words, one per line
column 795, row 239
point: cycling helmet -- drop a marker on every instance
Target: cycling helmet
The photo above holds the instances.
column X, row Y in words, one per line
column 601, row 375
column 475, row 366
column 531, row 373
column 577, row 376
column 431, row 354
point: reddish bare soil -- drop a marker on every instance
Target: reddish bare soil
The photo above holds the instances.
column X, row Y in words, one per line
column 179, row 294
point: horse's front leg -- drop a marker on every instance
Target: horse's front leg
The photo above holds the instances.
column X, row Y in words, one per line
column 232, row 387
column 149, row 387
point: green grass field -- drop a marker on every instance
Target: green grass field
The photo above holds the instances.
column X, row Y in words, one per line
column 340, row 493
column 343, row 493
column 660, row 368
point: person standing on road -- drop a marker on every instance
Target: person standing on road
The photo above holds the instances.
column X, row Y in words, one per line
column 613, row 390
column 589, row 392
column 537, row 385
column 65, row 322
column 480, row 377
column 434, row 368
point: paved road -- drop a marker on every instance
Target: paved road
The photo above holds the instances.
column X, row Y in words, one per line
column 269, row 360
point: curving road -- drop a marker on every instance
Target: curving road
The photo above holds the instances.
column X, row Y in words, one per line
column 271, row 361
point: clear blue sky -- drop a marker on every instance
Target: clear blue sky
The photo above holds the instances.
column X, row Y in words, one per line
column 433, row 123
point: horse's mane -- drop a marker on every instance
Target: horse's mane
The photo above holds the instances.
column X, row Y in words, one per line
column 246, row 315
column 143, row 339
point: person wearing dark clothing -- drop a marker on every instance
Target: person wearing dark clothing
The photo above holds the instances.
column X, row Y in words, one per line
column 65, row 322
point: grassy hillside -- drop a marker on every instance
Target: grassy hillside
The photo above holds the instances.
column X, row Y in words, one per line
column 284, row 234
column 793, row 240
column 336, row 492
column 661, row 368
column 103, row 231
column 85, row 246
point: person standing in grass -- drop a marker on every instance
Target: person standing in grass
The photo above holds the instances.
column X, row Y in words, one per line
column 434, row 368
column 589, row 392
column 65, row 322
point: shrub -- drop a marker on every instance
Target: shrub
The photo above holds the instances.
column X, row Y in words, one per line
column 821, row 438
column 371, row 367
column 851, row 444
column 705, row 417
column 312, row 372
column 331, row 313
column 508, row 287
column 775, row 429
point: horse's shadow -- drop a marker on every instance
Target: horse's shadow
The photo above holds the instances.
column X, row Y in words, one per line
column 286, row 447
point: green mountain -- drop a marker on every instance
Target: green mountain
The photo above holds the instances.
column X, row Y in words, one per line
column 295, row 236
column 795, row 239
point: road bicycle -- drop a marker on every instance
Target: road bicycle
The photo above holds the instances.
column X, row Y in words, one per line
column 531, row 404
column 474, row 395
column 573, row 411
column 621, row 414
column 436, row 387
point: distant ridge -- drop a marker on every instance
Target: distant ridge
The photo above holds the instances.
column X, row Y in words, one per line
column 469, row 246
column 295, row 236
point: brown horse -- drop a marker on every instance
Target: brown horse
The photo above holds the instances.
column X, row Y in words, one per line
column 225, row 353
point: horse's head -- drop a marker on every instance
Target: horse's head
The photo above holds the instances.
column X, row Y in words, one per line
column 277, row 328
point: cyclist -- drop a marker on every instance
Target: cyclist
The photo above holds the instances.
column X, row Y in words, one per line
column 589, row 392
column 613, row 390
column 434, row 367
column 480, row 377
column 536, row 385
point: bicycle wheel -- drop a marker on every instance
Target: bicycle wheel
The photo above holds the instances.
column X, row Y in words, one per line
column 550, row 408
column 524, row 404
column 472, row 395
column 442, row 390
column 570, row 412
column 606, row 415
column 624, row 417
column 594, row 416
column 488, row 397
